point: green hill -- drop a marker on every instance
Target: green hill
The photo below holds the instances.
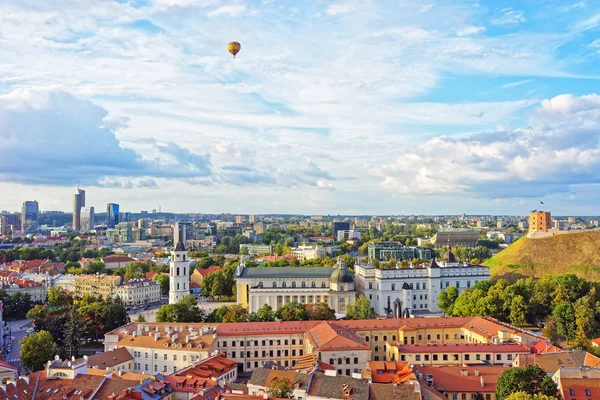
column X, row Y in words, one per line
column 577, row 253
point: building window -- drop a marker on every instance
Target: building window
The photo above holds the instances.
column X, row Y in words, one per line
column 274, row 284
column 293, row 342
column 293, row 284
column 467, row 357
column 331, row 361
column 284, row 284
column 587, row 392
column 445, row 357
column 370, row 285
column 418, row 357
column 155, row 368
column 393, row 286
column 303, row 284
column 509, row 357
column 174, row 357
column 420, row 337
column 355, row 360
column 323, row 284
column 165, row 356
column 435, row 357
column 146, row 355
column 428, row 336
column 145, row 367
column 313, row 285
column 438, row 336
column 426, row 357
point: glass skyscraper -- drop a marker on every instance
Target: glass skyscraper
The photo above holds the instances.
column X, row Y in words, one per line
column 112, row 215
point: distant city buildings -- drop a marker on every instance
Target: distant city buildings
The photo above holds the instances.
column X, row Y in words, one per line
column 112, row 215
column 29, row 215
column 540, row 221
column 87, row 220
column 451, row 238
column 339, row 226
column 78, row 204
column 183, row 232
column 259, row 249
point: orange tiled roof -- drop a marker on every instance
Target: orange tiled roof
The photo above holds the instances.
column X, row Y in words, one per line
column 326, row 336
column 206, row 271
column 463, row 348
column 451, row 379
column 391, row 372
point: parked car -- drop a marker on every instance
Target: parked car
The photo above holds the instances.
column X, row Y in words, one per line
column 30, row 330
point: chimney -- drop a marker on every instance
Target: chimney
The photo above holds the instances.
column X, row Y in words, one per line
column 476, row 372
column 482, row 382
column 156, row 336
column 187, row 338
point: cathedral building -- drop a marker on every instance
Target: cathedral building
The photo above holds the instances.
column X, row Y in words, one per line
column 277, row 286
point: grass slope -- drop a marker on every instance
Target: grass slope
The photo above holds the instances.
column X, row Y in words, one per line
column 577, row 253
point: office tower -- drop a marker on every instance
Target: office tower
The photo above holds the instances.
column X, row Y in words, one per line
column 183, row 232
column 12, row 221
column 87, row 219
column 251, row 219
column 259, row 228
column 78, row 203
column 112, row 215
column 339, row 226
column 239, row 219
column 29, row 215
column 3, row 225
column 125, row 217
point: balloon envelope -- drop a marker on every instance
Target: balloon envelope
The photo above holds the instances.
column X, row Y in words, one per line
column 234, row 48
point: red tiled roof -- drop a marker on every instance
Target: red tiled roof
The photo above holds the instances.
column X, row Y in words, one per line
column 264, row 328
column 419, row 322
column 463, row 348
column 578, row 387
column 542, row 347
column 109, row 359
column 391, row 372
column 327, row 336
column 452, row 380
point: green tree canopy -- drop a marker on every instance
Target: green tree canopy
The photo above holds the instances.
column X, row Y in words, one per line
column 185, row 310
column 37, row 349
column 360, row 309
column 531, row 380
column 136, row 270
column 281, row 388
column 163, row 280
column 292, row 311
column 320, row 312
column 447, row 298
column 58, row 297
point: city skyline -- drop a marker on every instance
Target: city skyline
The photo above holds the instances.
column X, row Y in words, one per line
column 332, row 108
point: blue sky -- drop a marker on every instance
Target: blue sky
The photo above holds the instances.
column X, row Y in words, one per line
column 354, row 107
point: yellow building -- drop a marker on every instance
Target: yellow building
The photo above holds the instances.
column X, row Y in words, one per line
column 96, row 285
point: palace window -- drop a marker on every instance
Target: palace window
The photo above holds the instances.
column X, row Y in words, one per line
column 303, row 284
column 293, row 284
column 313, row 285
column 274, row 284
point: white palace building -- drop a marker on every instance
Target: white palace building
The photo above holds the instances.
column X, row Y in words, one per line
column 403, row 291
column 277, row 286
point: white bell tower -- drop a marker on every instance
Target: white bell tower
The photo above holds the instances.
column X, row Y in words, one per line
column 179, row 278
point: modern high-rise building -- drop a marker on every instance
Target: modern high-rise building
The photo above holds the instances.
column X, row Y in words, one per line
column 125, row 217
column 251, row 219
column 78, row 204
column 239, row 219
column 339, row 226
column 183, row 232
column 29, row 215
column 112, row 215
column 87, row 220
column 12, row 221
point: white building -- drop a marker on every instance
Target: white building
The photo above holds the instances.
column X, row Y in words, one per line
column 87, row 219
column 302, row 253
column 307, row 285
column 409, row 290
column 179, row 277
column 138, row 291
column 345, row 235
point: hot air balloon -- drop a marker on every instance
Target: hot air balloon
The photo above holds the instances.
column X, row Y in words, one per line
column 234, row 48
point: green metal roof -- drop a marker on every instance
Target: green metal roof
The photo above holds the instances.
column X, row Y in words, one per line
column 287, row 272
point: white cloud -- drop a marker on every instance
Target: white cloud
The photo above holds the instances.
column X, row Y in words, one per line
column 230, row 11
column 517, row 83
column 340, row 8
column 470, row 30
column 558, row 150
column 508, row 16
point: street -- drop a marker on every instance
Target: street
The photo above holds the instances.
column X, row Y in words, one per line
column 17, row 331
column 150, row 314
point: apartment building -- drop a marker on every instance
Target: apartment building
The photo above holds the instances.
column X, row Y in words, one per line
column 161, row 347
column 96, row 285
column 138, row 291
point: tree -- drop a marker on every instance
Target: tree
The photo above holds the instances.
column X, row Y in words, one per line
column 319, row 312
column 531, row 380
column 95, row 267
column 517, row 311
column 163, row 280
column 236, row 313
column 58, row 297
column 564, row 316
column 185, row 310
column 244, row 250
column 292, row 311
column 136, row 270
column 527, row 396
column 140, row 318
column 37, row 349
column 550, row 331
column 281, row 388
column 265, row 313
column 73, row 333
column 447, row 298
column 360, row 309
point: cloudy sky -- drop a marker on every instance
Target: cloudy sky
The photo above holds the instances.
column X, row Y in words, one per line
column 353, row 107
